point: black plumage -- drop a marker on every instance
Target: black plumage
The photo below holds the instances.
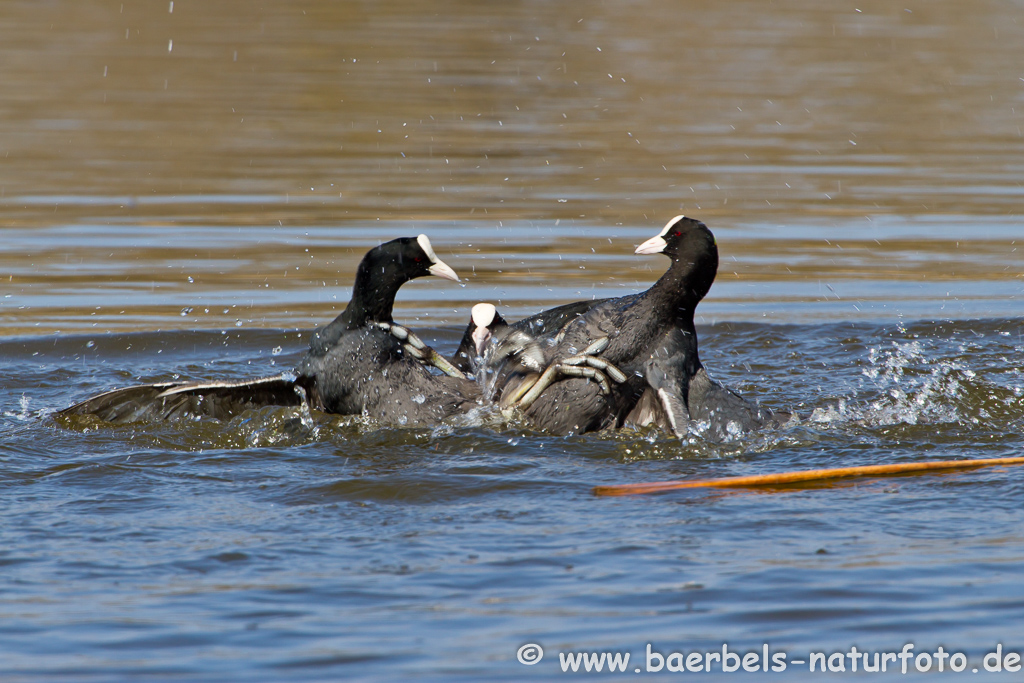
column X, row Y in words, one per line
column 651, row 338
column 354, row 366
column 368, row 372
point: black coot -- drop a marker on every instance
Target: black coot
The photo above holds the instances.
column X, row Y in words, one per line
column 651, row 338
column 380, row 274
column 356, row 367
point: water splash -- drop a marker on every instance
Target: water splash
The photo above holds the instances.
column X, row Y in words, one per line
column 25, row 413
column 905, row 384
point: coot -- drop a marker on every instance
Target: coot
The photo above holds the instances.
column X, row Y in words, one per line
column 651, row 338
column 368, row 316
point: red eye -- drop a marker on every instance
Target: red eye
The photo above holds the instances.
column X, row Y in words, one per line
column 678, row 234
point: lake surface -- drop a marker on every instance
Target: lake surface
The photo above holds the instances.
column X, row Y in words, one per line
column 186, row 189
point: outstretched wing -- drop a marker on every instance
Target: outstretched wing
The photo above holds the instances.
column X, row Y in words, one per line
column 189, row 400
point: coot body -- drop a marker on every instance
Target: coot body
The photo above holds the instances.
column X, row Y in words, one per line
column 368, row 372
column 652, row 339
column 333, row 376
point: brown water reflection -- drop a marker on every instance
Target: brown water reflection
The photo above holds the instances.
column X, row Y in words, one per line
column 524, row 129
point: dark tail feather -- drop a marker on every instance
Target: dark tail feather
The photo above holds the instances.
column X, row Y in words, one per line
column 189, row 400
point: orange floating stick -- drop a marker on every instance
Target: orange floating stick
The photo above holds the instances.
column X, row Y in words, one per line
column 803, row 475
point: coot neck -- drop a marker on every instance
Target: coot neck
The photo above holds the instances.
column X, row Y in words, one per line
column 676, row 293
column 373, row 296
column 675, row 297
column 689, row 350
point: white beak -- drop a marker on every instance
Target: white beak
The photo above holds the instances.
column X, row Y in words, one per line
column 442, row 269
column 481, row 336
column 655, row 245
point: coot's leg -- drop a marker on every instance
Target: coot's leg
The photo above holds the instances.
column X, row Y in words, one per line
column 415, row 347
column 585, row 364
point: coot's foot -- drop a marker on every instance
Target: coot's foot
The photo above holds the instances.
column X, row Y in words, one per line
column 585, row 365
column 416, row 348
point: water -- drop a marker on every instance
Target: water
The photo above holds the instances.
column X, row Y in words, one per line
column 186, row 191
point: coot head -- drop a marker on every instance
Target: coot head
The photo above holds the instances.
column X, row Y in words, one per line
column 404, row 259
column 380, row 274
column 386, row 268
column 693, row 251
column 486, row 320
column 681, row 236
